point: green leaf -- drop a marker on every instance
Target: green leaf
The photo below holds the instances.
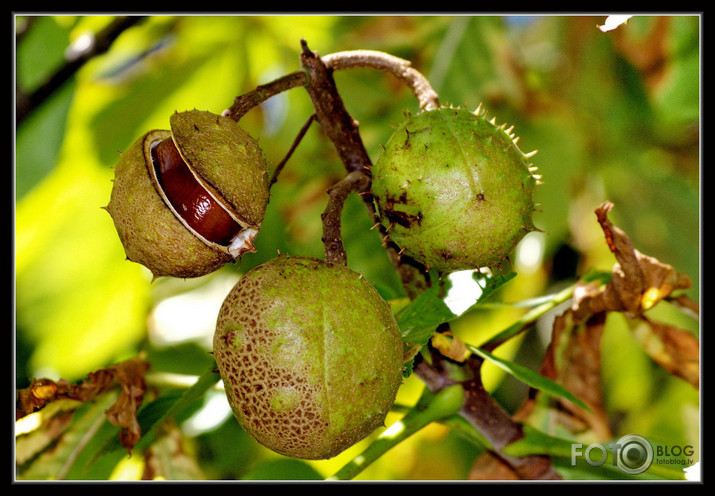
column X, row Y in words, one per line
column 492, row 284
column 530, row 377
column 153, row 417
column 420, row 318
column 537, row 442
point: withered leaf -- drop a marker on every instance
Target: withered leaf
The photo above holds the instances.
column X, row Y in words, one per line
column 638, row 281
column 129, row 375
column 450, row 346
column 573, row 359
column 676, row 350
column 123, row 413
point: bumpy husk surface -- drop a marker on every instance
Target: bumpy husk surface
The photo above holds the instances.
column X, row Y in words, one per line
column 310, row 356
column 149, row 231
column 228, row 160
column 454, row 190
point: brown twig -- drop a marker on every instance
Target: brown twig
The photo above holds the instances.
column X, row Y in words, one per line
column 296, row 141
column 485, row 414
column 242, row 104
column 356, row 181
column 343, row 132
column 340, row 128
column 401, row 68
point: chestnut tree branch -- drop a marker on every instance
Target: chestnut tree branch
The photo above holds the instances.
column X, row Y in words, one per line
column 484, row 413
column 337, row 194
column 401, row 68
column 242, row 104
column 479, row 408
column 342, row 130
column 339, row 126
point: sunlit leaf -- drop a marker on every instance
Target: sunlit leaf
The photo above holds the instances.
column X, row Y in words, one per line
column 78, row 437
column 421, row 317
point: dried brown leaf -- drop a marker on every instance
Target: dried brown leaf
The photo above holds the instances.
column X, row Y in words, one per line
column 573, row 360
column 129, row 375
column 123, row 413
column 676, row 350
column 450, row 346
column 638, row 281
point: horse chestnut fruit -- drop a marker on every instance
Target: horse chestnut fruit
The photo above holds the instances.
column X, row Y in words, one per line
column 453, row 189
column 310, row 356
column 187, row 201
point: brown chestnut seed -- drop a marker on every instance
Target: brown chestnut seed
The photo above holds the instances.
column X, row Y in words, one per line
column 191, row 200
column 202, row 203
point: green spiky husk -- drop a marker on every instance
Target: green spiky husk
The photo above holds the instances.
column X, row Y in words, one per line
column 227, row 158
column 454, row 190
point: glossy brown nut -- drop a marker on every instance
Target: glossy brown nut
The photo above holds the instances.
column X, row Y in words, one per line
column 189, row 199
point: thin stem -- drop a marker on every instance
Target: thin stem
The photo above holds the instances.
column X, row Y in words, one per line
column 337, row 194
column 296, row 141
column 242, row 104
column 529, row 318
column 401, row 68
column 172, row 380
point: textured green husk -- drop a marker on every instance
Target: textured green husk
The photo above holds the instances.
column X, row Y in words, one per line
column 149, row 231
column 454, row 190
column 310, row 356
column 227, row 159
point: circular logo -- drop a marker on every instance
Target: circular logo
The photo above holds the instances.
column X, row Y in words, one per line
column 635, row 454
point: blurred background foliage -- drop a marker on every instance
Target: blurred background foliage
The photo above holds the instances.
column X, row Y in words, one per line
column 614, row 116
